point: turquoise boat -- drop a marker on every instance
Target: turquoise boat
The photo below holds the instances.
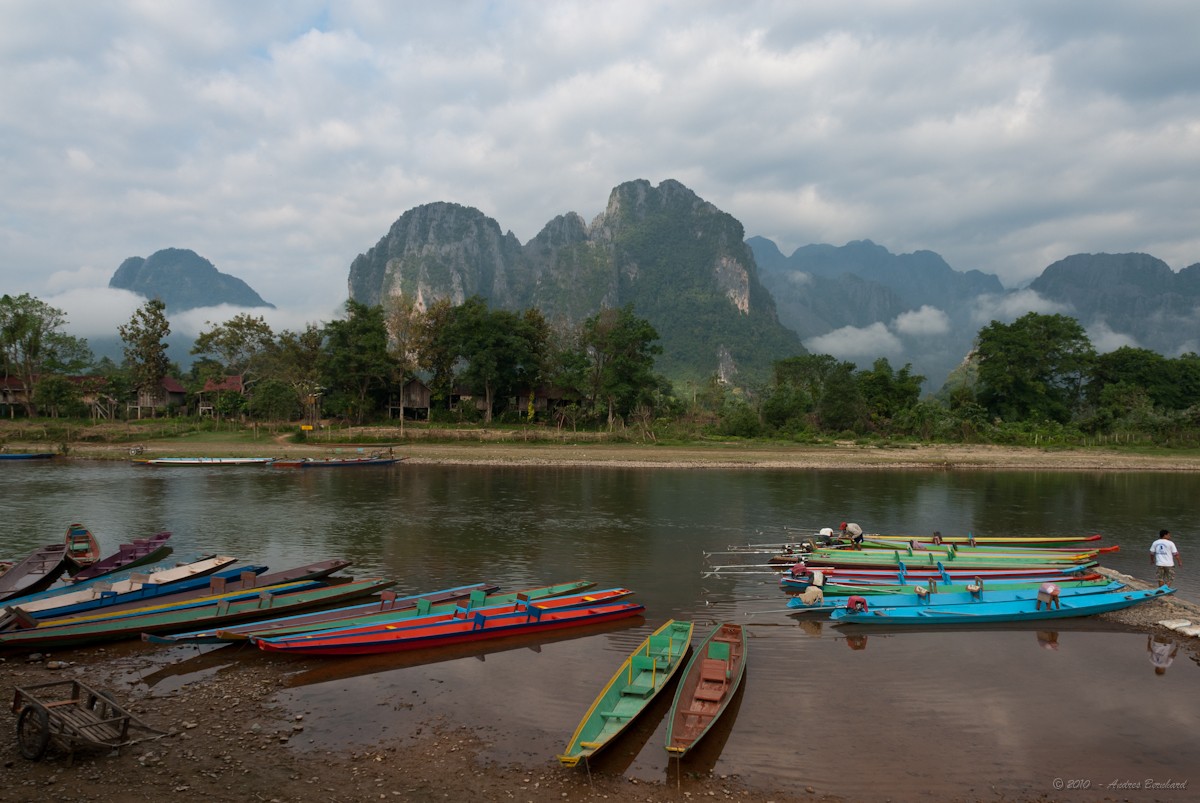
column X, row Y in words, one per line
column 640, row 678
column 1013, row 611
column 709, row 682
column 832, row 602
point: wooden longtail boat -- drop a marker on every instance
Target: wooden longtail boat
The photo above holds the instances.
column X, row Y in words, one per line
column 467, row 627
column 923, row 574
column 639, row 679
column 1016, row 611
column 82, row 548
column 247, row 578
column 138, row 553
column 336, row 462
column 832, row 602
column 887, row 557
column 893, row 589
column 388, row 609
column 212, row 611
column 35, row 572
column 77, row 599
column 26, row 455
column 708, row 684
column 1007, row 540
column 201, row 461
column 404, row 619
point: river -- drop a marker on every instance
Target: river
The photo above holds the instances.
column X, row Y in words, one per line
column 870, row 715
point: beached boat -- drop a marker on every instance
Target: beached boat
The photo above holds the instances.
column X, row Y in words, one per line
column 708, row 684
column 832, row 602
column 1012, row 611
column 636, row 683
column 201, row 461
column 36, row 571
column 139, row 552
column 207, row 611
column 468, row 626
column 336, row 462
column 82, row 548
column 389, row 609
column 72, row 599
column 26, row 455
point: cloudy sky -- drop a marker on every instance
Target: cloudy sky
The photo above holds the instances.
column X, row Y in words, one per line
column 281, row 139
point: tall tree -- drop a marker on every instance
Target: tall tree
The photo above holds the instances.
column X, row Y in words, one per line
column 145, row 348
column 238, row 344
column 1034, row 368
column 503, row 351
column 32, row 343
column 357, row 366
column 621, row 347
column 297, row 360
column 436, row 351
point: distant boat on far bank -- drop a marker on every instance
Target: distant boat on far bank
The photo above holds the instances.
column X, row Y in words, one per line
column 201, row 461
column 26, row 455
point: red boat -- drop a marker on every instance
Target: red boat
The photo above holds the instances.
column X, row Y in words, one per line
column 462, row 627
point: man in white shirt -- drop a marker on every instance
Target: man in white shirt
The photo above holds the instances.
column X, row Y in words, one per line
column 1165, row 556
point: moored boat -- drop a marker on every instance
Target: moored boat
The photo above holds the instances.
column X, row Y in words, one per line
column 208, row 611
column 709, row 682
column 36, row 571
column 336, row 462
column 832, row 602
column 1012, row 611
column 201, row 461
column 461, row 628
column 138, row 552
column 26, row 455
column 82, row 548
column 639, row 679
column 389, row 609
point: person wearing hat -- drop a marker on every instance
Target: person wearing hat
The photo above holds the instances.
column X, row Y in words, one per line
column 1166, row 555
column 854, row 533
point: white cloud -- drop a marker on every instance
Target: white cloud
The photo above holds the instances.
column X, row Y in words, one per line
column 1007, row 308
column 851, row 342
column 1104, row 339
column 922, row 322
column 281, row 140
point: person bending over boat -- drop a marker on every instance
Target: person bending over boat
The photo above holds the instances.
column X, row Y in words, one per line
column 854, row 533
column 1166, row 555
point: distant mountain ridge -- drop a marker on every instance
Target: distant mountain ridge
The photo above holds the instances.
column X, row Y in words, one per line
column 682, row 263
column 183, row 280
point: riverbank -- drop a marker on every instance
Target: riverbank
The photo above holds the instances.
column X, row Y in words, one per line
column 502, row 449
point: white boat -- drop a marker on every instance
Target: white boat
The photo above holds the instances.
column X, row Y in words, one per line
column 202, row 461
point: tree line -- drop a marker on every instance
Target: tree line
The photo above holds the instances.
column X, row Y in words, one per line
column 1036, row 380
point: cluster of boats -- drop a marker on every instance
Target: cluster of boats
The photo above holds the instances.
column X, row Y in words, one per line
column 901, row 580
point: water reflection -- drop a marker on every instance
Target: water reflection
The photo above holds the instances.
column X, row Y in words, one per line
column 1162, row 652
column 1047, row 639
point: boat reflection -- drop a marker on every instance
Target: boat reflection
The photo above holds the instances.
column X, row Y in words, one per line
column 700, row 761
column 324, row 670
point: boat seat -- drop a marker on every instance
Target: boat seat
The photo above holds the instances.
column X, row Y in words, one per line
column 613, row 715
column 718, row 650
column 641, row 673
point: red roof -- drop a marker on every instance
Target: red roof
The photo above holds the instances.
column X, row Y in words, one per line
column 233, row 383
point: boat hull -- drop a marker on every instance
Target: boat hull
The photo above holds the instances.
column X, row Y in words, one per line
column 479, row 627
column 985, row 612
column 711, row 679
column 636, row 683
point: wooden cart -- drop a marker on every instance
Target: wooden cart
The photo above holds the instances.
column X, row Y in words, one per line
column 74, row 714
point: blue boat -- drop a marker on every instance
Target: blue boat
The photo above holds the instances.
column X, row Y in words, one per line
column 26, row 455
column 1014, row 611
column 832, row 602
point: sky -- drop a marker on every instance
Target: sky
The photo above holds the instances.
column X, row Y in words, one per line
column 280, row 140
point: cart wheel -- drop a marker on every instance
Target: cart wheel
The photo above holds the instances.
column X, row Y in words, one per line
column 33, row 732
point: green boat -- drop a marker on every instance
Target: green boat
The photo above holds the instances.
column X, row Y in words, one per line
column 640, row 678
column 360, row 615
column 264, row 603
column 845, row 589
